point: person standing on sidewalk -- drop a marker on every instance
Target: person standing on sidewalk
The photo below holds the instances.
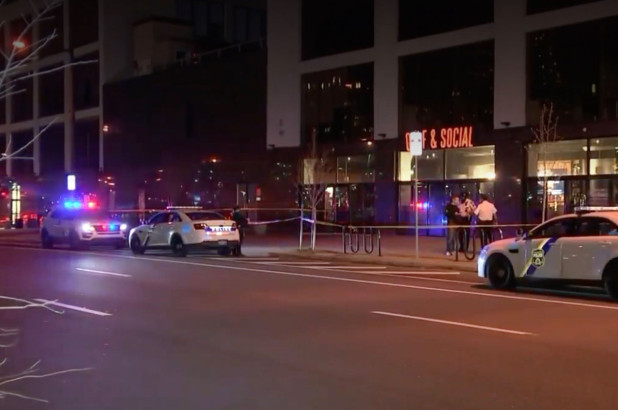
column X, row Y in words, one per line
column 241, row 224
column 452, row 218
column 466, row 211
column 486, row 213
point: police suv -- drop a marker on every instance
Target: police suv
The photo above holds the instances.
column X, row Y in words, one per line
column 580, row 247
column 81, row 225
column 183, row 229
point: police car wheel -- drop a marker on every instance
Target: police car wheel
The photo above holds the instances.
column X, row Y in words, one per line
column 500, row 273
column 136, row 246
column 610, row 281
column 47, row 241
column 178, row 247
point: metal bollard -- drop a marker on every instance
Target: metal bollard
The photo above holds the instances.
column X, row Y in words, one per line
column 379, row 243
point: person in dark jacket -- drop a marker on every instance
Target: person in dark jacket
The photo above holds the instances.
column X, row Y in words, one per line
column 452, row 218
column 241, row 223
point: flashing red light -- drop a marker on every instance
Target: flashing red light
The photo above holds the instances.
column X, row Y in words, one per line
column 92, row 205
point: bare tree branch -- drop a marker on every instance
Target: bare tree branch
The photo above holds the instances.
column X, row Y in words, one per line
column 545, row 134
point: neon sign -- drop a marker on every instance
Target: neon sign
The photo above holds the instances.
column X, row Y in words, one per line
column 446, row 138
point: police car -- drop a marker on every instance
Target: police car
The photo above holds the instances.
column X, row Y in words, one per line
column 184, row 229
column 580, row 247
column 81, row 225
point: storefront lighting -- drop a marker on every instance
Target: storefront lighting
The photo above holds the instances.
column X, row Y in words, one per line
column 491, row 175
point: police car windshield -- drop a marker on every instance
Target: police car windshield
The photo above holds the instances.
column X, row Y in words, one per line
column 204, row 216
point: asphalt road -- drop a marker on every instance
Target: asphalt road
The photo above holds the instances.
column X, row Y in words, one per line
column 159, row 332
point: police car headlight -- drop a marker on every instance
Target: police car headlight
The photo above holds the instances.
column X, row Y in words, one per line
column 87, row 227
column 123, row 227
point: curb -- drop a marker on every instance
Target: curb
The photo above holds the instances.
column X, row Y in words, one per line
column 421, row 263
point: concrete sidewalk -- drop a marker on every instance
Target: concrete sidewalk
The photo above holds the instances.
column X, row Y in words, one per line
column 397, row 250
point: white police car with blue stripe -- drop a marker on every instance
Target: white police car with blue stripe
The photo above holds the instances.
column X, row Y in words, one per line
column 579, row 248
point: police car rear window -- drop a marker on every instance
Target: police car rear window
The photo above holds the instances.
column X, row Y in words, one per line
column 204, row 216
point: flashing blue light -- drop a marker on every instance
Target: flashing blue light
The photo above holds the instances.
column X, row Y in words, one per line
column 72, row 204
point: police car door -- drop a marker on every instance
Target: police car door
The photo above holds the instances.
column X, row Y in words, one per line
column 543, row 249
column 585, row 254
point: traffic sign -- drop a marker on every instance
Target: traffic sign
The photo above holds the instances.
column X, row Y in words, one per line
column 415, row 143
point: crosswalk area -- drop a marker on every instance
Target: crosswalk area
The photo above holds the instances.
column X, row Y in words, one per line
column 367, row 269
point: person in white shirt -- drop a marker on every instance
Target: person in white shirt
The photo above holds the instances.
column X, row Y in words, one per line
column 466, row 211
column 486, row 214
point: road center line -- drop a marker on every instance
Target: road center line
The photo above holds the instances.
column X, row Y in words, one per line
column 416, row 273
column 77, row 308
column 122, row 275
column 282, row 263
column 461, row 324
column 346, row 267
column 495, row 295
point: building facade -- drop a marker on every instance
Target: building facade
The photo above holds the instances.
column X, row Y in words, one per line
column 99, row 42
column 473, row 77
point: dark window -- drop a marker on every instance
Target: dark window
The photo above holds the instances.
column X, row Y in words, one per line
column 539, row 6
column 86, row 82
column 216, row 19
column 249, row 24
column 87, row 145
column 158, row 219
column 2, row 110
column 448, row 87
column 174, row 217
column 51, row 92
column 554, row 229
column 589, row 226
column 52, row 24
column 52, row 151
column 22, row 100
column 576, row 68
column 423, row 18
column 336, row 26
column 83, row 21
column 2, row 151
column 337, row 105
column 184, row 9
column 205, row 216
column 21, row 163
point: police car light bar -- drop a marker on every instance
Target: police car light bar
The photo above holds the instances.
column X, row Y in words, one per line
column 588, row 209
column 169, row 208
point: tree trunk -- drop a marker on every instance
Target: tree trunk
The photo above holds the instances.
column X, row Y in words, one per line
column 544, row 211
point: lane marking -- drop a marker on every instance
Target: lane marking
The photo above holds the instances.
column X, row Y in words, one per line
column 282, row 263
column 244, row 259
column 495, row 295
column 122, row 275
column 460, row 324
column 403, row 272
column 348, row 267
column 71, row 307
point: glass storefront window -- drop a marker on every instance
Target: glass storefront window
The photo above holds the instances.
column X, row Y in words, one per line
column 430, row 166
column 471, row 163
column 356, row 169
column 603, row 155
column 556, row 159
column 318, row 171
